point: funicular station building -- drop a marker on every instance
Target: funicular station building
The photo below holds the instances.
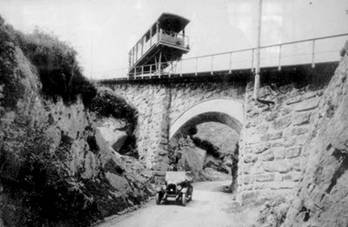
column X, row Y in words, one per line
column 164, row 42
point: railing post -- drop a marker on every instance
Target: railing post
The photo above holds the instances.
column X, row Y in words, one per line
column 196, row 66
column 313, row 53
column 181, row 67
column 230, row 63
column 142, row 70
column 212, row 65
column 150, row 70
column 279, row 58
column 252, row 60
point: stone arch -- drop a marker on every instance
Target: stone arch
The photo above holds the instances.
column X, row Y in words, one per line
column 226, row 111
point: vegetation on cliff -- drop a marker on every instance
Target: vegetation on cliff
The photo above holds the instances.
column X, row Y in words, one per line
column 38, row 178
column 10, row 93
column 39, row 187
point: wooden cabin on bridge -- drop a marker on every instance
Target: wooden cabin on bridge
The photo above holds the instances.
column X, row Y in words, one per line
column 164, row 42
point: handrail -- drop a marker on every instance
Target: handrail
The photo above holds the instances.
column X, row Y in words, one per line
column 281, row 56
column 268, row 46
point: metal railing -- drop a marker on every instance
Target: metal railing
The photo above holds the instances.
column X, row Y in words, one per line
column 306, row 51
column 172, row 38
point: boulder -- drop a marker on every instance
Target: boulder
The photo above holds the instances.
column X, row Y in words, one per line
column 108, row 135
column 193, row 159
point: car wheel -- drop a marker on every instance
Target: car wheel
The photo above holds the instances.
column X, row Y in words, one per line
column 158, row 199
column 183, row 199
column 190, row 197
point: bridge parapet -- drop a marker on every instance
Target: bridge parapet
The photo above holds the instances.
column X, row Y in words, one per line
column 276, row 56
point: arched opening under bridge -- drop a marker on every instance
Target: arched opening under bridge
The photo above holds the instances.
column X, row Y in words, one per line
column 204, row 140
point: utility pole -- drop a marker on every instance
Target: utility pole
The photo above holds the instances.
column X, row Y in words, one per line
column 257, row 69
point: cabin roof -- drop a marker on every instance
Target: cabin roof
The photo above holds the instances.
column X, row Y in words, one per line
column 172, row 22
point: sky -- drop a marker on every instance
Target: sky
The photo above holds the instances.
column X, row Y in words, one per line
column 103, row 31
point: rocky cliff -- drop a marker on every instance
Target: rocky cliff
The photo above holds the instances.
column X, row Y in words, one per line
column 67, row 149
column 320, row 198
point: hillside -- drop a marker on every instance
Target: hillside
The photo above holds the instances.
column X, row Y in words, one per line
column 67, row 149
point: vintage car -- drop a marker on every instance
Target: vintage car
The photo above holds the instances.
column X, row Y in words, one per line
column 177, row 188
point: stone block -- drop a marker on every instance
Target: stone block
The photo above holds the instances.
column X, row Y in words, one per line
column 261, row 129
column 290, row 141
column 276, row 144
column 264, row 137
column 279, row 153
column 246, row 168
column 287, row 177
column 261, row 148
column 268, row 156
column 248, row 150
column 307, row 105
column 301, row 140
column 282, row 122
column 247, row 179
column 277, row 166
column 264, row 177
column 294, row 100
column 287, row 185
column 271, row 116
column 252, row 139
column 253, row 114
column 296, row 164
column 275, row 136
column 260, row 186
column 249, row 197
column 301, row 119
column 250, row 158
column 299, row 131
column 271, row 136
column 296, row 176
column 293, row 152
column 285, row 111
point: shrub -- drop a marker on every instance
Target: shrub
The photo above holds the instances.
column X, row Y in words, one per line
column 10, row 86
column 107, row 104
column 56, row 62
column 48, row 193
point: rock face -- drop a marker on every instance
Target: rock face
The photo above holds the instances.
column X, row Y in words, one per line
column 61, row 163
column 321, row 198
column 205, row 154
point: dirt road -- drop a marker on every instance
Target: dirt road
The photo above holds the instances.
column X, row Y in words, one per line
column 210, row 207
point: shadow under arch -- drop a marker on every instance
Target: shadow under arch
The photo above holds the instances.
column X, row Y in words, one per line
column 225, row 111
column 209, row 117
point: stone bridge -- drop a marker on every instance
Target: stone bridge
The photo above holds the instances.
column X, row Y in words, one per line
column 272, row 133
column 168, row 108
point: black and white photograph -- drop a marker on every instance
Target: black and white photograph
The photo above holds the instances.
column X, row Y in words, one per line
column 173, row 113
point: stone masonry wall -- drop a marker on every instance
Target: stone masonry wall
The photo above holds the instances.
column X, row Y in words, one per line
column 159, row 105
column 271, row 147
column 187, row 95
column 152, row 103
